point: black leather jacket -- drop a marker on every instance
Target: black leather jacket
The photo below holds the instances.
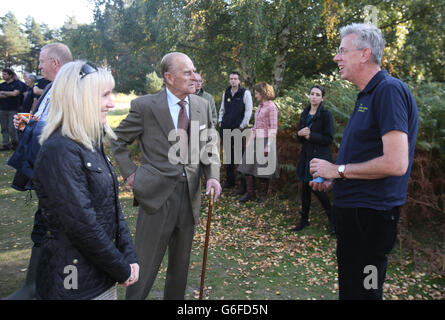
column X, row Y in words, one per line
column 78, row 194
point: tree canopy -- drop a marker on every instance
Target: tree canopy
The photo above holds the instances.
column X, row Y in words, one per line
column 278, row 41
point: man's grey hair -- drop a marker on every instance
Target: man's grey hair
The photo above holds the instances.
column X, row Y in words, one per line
column 168, row 62
column 59, row 51
column 31, row 76
column 368, row 36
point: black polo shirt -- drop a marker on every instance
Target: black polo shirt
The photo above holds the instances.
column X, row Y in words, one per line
column 385, row 104
column 41, row 84
column 10, row 103
column 27, row 101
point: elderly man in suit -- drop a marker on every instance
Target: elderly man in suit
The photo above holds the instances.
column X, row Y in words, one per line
column 168, row 191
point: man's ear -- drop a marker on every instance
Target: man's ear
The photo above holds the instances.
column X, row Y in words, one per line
column 366, row 54
column 167, row 77
column 57, row 64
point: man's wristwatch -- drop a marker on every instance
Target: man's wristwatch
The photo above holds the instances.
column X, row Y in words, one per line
column 341, row 171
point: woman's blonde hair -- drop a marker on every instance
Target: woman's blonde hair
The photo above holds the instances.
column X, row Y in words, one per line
column 75, row 105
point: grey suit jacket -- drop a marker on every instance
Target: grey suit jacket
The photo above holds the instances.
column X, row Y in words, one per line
column 150, row 121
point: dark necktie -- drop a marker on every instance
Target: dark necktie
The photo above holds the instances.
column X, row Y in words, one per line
column 183, row 123
column 183, row 119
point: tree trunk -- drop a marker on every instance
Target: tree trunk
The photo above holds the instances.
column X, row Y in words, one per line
column 247, row 73
column 280, row 58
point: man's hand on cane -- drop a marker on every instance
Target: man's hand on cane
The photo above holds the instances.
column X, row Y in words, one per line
column 213, row 183
column 130, row 179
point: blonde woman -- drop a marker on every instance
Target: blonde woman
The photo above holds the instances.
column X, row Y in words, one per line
column 88, row 247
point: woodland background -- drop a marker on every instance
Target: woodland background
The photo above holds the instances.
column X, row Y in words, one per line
column 290, row 44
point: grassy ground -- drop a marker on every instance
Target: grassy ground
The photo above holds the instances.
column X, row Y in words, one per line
column 252, row 255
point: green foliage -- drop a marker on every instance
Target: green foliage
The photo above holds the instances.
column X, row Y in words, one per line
column 430, row 98
column 20, row 44
column 120, row 38
column 13, row 46
column 83, row 42
column 340, row 99
column 274, row 41
column 36, row 42
column 154, row 83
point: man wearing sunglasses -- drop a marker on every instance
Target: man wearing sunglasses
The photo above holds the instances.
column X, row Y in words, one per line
column 52, row 57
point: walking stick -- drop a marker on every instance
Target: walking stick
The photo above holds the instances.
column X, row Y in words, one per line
column 206, row 245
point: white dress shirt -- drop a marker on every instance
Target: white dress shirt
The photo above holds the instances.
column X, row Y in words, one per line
column 174, row 107
column 44, row 107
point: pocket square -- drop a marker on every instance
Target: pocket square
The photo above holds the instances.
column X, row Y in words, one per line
column 202, row 127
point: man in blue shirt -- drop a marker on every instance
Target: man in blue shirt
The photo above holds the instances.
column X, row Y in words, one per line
column 373, row 164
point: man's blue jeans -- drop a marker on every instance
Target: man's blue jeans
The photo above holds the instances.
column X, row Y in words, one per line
column 364, row 239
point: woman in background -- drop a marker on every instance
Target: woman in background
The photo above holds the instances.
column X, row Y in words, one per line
column 263, row 166
column 316, row 134
column 88, row 247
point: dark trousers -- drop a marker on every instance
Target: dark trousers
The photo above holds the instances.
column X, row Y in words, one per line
column 306, row 199
column 39, row 228
column 171, row 227
column 364, row 239
column 230, row 167
column 9, row 133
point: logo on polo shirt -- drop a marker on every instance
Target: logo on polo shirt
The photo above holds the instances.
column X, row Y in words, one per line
column 362, row 108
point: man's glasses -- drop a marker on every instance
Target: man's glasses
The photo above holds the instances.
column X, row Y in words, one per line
column 86, row 69
column 41, row 61
column 343, row 51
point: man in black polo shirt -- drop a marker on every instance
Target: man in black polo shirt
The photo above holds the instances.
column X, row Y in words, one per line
column 235, row 113
column 10, row 91
column 40, row 87
column 373, row 164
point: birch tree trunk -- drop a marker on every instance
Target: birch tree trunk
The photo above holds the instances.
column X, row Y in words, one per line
column 280, row 58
